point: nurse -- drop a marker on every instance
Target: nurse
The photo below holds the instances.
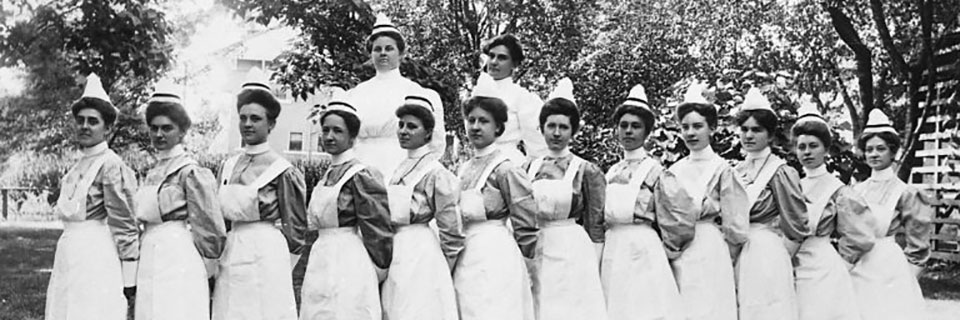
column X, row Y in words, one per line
column 504, row 54
column 177, row 204
column 697, row 243
column 95, row 263
column 885, row 279
column 765, row 284
column 421, row 190
column 376, row 99
column 257, row 188
column 491, row 276
column 636, row 277
column 569, row 192
column 835, row 211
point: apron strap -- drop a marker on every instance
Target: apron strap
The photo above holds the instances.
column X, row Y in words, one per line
column 497, row 160
column 276, row 168
column 816, row 206
column 535, row 166
column 763, row 178
column 346, row 176
column 572, row 170
column 640, row 175
column 91, row 174
column 226, row 172
column 416, row 175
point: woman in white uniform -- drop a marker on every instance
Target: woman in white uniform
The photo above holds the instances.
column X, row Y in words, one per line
column 885, row 279
column 778, row 213
column 569, row 192
column 637, row 281
column 835, row 211
column 376, row 100
column 95, row 263
column 421, row 190
column 490, row 277
column 257, row 188
column 701, row 226
column 354, row 246
column 177, row 203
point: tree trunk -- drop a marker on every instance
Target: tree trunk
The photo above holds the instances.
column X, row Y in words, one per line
column 841, row 22
column 914, row 113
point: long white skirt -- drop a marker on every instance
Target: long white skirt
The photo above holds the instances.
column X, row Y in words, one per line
column 636, row 277
column 340, row 281
column 566, row 284
column 255, row 280
column 491, row 277
column 704, row 276
column 419, row 285
column 171, row 279
column 86, row 282
column 764, row 273
column 885, row 287
column 824, row 288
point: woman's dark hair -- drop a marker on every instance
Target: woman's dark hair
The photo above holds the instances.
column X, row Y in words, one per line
column 261, row 97
column 705, row 110
column 767, row 119
column 509, row 41
column 646, row 116
column 561, row 106
column 419, row 112
column 171, row 110
column 106, row 109
column 494, row 106
column 891, row 139
column 350, row 119
column 401, row 44
column 814, row 128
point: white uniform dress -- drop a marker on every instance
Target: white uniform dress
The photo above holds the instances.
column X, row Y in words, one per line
column 523, row 122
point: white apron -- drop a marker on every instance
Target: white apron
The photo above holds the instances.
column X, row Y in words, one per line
column 491, row 277
column 566, row 284
column 885, row 286
column 636, row 277
column 764, row 272
column 824, row 287
column 86, row 282
column 171, row 279
column 419, row 285
column 340, row 280
column 255, row 280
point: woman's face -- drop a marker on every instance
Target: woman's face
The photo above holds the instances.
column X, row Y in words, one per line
column 878, row 153
column 753, row 136
column 255, row 127
column 411, row 133
column 335, row 136
column 385, row 54
column 631, row 132
column 91, row 128
column 557, row 132
column 481, row 128
column 499, row 63
column 695, row 131
column 165, row 133
column 810, row 151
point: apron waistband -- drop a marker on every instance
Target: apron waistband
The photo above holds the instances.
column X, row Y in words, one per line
column 340, row 230
column 760, row 226
column 628, row 226
column 239, row 225
column 166, row 225
column 412, row 226
column 85, row 224
column 557, row 223
column 476, row 226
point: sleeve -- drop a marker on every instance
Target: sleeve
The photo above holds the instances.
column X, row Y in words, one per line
column 373, row 216
column 292, row 202
column 791, row 203
column 856, row 226
column 594, row 186
column 445, row 199
column 734, row 214
column 517, row 190
column 203, row 212
column 439, row 141
column 119, row 186
column 529, row 113
column 675, row 216
column 915, row 208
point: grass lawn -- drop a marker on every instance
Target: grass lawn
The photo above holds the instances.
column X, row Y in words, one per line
column 26, row 257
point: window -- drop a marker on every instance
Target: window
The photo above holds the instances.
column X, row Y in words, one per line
column 296, row 141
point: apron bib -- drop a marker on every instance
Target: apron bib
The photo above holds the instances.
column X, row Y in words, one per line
column 471, row 200
column 322, row 211
column 240, row 202
column 621, row 199
column 401, row 196
column 72, row 203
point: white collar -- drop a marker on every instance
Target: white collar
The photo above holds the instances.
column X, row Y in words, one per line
column 754, row 155
column 96, row 149
column 418, row 152
column 389, row 74
column 486, row 150
column 177, row 150
column 635, row 154
column 343, row 157
column 559, row 154
column 816, row 172
column 703, row 154
column 505, row 80
column 883, row 174
column 256, row 149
